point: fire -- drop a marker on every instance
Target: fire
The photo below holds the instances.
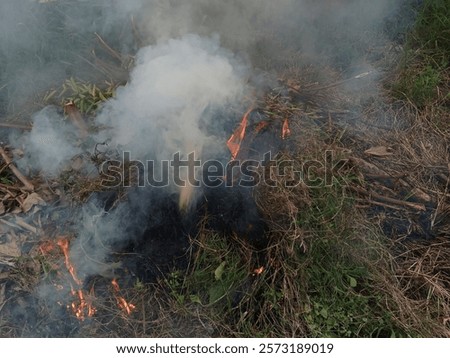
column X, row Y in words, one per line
column 63, row 243
column 286, row 131
column 260, row 126
column 235, row 141
column 82, row 307
column 258, row 271
column 121, row 302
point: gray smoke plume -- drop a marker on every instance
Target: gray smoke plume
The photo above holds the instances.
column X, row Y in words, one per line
column 50, row 145
column 174, row 87
column 43, row 42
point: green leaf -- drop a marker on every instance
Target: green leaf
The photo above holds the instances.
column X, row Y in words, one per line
column 353, row 282
column 324, row 313
column 195, row 299
column 179, row 298
column 218, row 273
column 215, row 293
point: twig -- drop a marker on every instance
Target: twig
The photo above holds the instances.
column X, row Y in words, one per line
column 379, row 203
column 136, row 32
column 16, row 171
column 112, row 52
column 357, row 77
column 76, row 118
column 15, row 126
column 25, row 225
column 369, row 167
column 5, row 190
column 385, row 199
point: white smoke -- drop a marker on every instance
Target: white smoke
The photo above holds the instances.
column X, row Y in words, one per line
column 173, row 89
column 50, row 145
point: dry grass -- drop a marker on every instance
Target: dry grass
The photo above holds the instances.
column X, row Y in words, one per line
column 338, row 262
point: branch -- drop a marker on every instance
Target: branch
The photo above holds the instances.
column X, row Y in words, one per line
column 16, row 171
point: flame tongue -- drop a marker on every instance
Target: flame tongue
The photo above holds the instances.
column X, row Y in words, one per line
column 121, row 302
column 235, row 141
column 82, row 307
column 286, row 131
column 63, row 243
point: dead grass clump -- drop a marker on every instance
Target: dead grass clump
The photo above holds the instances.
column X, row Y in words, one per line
column 423, row 274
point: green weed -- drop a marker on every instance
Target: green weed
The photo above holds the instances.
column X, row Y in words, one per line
column 86, row 96
column 424, row 72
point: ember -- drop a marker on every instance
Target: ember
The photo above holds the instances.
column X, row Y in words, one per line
column 258, row 271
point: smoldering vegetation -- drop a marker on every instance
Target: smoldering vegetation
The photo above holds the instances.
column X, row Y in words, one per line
column 184, row 72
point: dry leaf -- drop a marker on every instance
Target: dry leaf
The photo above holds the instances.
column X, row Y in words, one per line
column 420, row 194
column 16, row 210
column 381, row 151
column 2, row 208
column 32, row 200
column 10, row 249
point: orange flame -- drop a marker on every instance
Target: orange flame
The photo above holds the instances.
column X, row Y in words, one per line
column 260, row 126
column 258, row 271
column 63, row 243
column 235, row 141
column 121, row 302
column 82, row 307
column 285, row 132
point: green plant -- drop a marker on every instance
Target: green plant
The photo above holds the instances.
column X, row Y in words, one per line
column 4, row 179
column 432, row 29
column 420, row 85
column 342, row 299
column 424, row 72
column 174, row 282
column 86, row 96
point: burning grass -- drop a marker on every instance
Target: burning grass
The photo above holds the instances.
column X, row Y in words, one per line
column 328, row 271
column 328, row 268
column 365, row 256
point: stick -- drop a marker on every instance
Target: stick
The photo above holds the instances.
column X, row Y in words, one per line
column 16, row 171
column 15, row 126
column 379, row 203
column 357, row 77
column 408, row 204
column 373, row 169
column 76, row 118
column 112, row 52
column 25, row 226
